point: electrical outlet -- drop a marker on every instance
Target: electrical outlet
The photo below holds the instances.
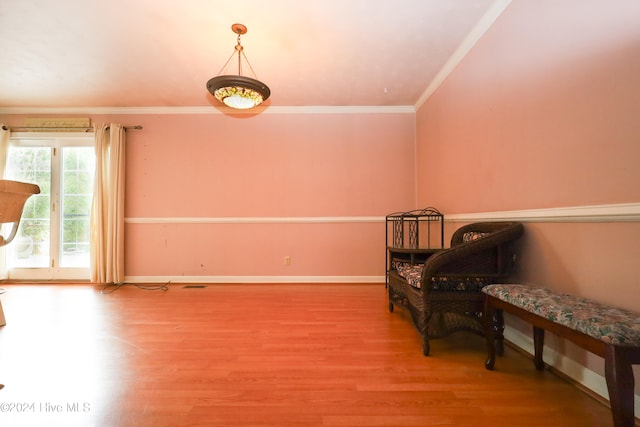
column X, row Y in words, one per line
column 287, row 260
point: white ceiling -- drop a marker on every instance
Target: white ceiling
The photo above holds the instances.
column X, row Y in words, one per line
column 152, row 53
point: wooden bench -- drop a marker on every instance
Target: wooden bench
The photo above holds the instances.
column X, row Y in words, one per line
column 609, row 332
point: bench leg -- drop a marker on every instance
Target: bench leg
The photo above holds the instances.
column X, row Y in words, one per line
column 538, row 347
column 620, row 383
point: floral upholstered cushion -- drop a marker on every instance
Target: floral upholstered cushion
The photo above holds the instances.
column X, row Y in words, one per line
column 472, row 235
column 412, row 273
column 610, row 324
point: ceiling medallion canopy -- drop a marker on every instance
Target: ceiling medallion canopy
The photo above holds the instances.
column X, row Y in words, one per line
column 238, row 91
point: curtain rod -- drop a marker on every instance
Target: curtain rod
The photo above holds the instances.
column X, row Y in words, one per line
column 27, row 129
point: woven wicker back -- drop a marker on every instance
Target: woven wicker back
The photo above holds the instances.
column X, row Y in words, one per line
column 13, row 195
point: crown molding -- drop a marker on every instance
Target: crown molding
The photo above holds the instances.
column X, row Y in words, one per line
column 487, row 20
column 209, row 110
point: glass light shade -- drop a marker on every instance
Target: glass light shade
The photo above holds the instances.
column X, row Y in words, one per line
column 238, row 91
column 238, row 97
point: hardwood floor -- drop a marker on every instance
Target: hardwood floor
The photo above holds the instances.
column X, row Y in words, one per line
column 257, row 355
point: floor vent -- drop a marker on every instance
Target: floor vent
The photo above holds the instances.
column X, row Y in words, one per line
column 194, row 286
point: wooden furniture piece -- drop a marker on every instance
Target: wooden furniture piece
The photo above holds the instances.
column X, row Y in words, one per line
column 442, row 288
column 13, row 196
column 609, row 332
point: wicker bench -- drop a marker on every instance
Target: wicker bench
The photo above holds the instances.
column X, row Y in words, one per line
column 609, row 332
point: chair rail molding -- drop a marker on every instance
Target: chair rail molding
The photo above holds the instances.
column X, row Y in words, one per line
column 255, row 220
column 621, row 212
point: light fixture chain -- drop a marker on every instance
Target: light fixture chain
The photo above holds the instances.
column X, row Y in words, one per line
column 240, row 50
column 226, row 63
column 249, row 64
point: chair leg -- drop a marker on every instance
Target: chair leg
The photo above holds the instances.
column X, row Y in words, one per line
column 490, row 335
column 426, row 348
column 499, row 328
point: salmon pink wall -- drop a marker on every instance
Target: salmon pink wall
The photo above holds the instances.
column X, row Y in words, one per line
column 213, row 197
column 269, row 165
column 544, row 112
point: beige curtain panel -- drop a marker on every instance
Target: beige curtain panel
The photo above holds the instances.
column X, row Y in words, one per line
column 4, row 149
column 107, row 213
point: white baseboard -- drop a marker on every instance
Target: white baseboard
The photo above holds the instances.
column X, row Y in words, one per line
column 255, row 279
column 577, row 372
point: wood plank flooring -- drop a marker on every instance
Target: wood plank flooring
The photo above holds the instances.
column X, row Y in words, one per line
column 257, row 355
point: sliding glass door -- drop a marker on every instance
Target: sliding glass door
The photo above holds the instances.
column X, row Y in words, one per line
column 53, row 238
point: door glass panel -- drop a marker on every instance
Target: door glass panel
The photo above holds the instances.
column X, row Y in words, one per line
column 77, row 189
column 31, row 246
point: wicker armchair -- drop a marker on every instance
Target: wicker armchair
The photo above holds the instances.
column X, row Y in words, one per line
column 445, row 293
column 13, row 195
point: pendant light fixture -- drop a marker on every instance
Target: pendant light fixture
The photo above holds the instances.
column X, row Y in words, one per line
column 238, row 91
